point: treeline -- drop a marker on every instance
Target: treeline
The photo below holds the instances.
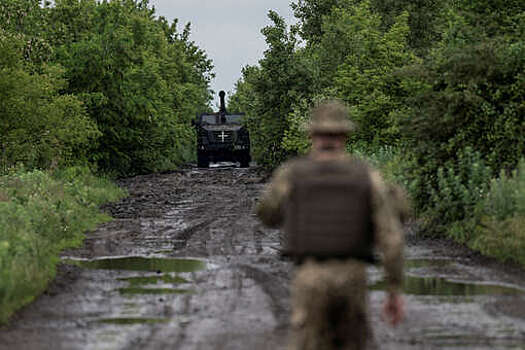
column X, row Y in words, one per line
column 104, row 83
column 437, row 89
column 86, row 87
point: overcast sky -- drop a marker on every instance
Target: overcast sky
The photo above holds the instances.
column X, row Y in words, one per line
column 228, row 30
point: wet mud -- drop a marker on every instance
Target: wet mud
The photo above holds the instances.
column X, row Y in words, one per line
column 186, row 265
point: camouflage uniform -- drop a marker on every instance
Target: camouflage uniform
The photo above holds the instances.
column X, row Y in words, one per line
column 401, row 208
column 329, row 299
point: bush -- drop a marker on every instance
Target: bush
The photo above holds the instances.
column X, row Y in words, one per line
column 501, row 232
column 460, row 187
column 40, row 215
column 467, row 95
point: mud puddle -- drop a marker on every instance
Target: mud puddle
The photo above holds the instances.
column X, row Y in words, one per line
column 443, row 286
column 453, row 304
column 138, row 263
column 142, row 285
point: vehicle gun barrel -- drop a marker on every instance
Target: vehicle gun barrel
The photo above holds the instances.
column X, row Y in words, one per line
column 222, row 109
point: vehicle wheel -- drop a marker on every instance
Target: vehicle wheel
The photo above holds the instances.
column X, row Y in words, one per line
column 245, row 161
column 203, row 161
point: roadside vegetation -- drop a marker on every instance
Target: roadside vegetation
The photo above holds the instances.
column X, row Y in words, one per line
column 89, row 90
column 436, row 89
column 40, row 215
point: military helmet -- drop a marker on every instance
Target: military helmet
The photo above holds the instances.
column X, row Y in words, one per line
column 330, row 117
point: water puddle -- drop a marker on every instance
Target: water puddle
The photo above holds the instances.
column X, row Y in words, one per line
column 164, row 251
column 162, row 266
column 463, row 341
column 152, row 291
column 440, row 286
column 132, row 321
column 158, row 265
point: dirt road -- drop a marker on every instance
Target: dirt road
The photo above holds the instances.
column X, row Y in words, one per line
column 185, row 265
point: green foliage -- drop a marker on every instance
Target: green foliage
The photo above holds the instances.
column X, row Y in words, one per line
column 26, row 19
column 124, row 83
column 461, row 185
column 494, row 17
column 296, row 140
column 500, row 232
column 347, row 33
column 40, row 126
column 40, row 215
column 310, row 13
column 506, row 196
column 485, row 214
column 353, row 59
column 424, row 18
column 268, row 93
column 382, row 157
column 436, row 88
column 142, row 81
column 468, row 96
column 365, row 78
column 502, row 239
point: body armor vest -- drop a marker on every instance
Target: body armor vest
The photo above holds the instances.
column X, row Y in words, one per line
column 329, row 211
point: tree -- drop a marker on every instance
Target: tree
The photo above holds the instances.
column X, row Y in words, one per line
column 139, row 78
column 310, row 14
column 468, row 94
column 40, row 126
column 364, row 61
column 268, row 92
column 425, row 18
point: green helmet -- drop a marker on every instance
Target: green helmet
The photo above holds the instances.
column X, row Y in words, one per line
column 330, row 117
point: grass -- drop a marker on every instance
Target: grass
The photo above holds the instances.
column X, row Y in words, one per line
column 500, row 230
column 42, row 213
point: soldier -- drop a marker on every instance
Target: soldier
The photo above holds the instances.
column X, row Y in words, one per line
column 334, row 210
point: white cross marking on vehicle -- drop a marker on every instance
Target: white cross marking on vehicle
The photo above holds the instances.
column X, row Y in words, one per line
column 223, row 136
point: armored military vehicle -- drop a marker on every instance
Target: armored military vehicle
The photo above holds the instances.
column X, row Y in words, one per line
column 221, row 137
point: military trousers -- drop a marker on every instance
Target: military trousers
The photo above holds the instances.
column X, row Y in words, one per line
column 329, row 306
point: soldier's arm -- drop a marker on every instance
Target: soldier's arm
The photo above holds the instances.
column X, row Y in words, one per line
column 389, row 233
column 269, row 209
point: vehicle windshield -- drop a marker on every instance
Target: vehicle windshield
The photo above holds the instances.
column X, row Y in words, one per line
column 230, row 119
column 234, row 118
column 209, row 119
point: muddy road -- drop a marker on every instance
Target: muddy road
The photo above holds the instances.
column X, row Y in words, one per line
column 185, row 265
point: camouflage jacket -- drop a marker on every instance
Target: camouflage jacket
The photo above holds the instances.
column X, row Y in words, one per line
column 388, row 230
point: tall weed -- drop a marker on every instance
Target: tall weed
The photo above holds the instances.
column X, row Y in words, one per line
column 461, row 185
column 501, row 231
column 40, row 215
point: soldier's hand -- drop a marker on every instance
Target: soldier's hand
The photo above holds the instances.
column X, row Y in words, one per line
column 394, row 309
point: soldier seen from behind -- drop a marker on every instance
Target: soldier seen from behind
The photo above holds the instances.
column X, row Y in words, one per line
column 335, row 211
